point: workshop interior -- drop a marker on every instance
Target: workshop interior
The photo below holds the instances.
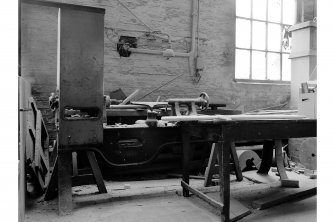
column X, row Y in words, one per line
column 154, row 110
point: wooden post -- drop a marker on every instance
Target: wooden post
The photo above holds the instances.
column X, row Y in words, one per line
column 224, row 158
column 237, row 166
column 52, row 186
column 24, row 94
column 96, row 172
column 202, row 196
column 211, row 165
column 285, row 181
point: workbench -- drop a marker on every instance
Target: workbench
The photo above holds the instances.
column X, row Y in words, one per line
column 226, row 133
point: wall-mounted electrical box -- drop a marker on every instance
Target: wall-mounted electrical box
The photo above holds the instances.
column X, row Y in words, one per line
column 126, row 42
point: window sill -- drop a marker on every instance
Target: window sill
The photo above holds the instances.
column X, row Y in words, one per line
column 262, row 82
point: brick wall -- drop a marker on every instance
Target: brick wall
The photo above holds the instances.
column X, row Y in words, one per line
column 143, row 71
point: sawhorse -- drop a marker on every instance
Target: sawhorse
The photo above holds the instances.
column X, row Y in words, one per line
column 212, row 167
column 65, row 176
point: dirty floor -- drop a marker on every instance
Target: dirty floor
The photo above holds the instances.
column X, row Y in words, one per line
column 161, row 200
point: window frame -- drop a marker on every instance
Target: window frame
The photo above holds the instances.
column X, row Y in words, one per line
column 266, row 51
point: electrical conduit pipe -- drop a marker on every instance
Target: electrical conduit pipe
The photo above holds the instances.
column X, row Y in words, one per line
column 192, row 54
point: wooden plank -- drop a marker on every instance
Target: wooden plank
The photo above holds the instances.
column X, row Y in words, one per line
column 202, row 196
column 280, row 160
column 290, row 183
column 237, row 210
column 285, row 181
column 269, row 129
column 53, row 154
column 45, row 142
column 211, row 165
column 41, row 158
column 261, row 178
column 30, row 135
column 283, row 195
column 236, row 161
column 191, row 176
column 96, row 172
column 52, row 185
column 251, row 130
column 234, row 117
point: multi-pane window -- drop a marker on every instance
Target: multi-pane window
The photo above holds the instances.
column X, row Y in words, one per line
column 262, row 49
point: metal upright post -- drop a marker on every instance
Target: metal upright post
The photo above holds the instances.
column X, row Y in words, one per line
column 186, row 160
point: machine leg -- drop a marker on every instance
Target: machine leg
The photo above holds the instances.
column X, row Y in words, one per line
column 64, row 183
column 186, row 160
column 74, row 164
column 267, row 156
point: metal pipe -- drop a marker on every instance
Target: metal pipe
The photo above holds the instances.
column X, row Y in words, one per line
column 155, row 33
column 153, row 157
column 19, row 38
column 193, row 46
column 163, row 33
column 179, row 54
column 158, row 52
column 190, row 54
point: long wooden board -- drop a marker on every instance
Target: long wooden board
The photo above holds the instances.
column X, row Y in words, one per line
column 283, row 195
column 237, row 210
column 230, row 117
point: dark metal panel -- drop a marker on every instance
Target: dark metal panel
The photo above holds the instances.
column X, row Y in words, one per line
column 81, row 76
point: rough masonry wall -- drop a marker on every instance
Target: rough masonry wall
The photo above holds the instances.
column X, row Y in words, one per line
column 143, row 71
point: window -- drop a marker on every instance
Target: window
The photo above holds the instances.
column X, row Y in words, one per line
column 262, row 43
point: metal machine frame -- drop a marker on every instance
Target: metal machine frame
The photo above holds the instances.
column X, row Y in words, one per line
column 80, row 96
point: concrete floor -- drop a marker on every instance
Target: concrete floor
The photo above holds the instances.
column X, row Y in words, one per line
column 303, row 210
column 161, row 200
column 165, row 209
